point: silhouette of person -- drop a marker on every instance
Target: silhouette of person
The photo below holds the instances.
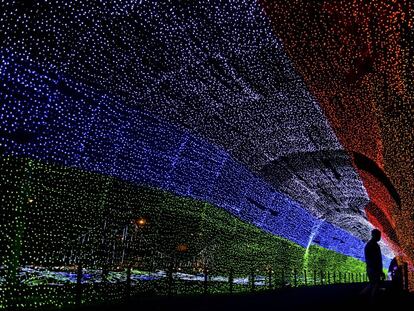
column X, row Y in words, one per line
column 396, row 276
column 373, row 260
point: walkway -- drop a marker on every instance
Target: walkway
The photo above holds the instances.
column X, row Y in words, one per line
column 329, row 297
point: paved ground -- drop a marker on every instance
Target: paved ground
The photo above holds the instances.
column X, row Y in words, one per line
column 330, row 297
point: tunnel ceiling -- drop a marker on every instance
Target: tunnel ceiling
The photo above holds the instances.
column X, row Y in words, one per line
column 297, row 92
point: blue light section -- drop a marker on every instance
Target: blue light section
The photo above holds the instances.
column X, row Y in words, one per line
column 48, row 117
column 214, row 68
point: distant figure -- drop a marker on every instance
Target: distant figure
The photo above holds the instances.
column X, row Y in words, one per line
column 373, row 260
column 396, row 275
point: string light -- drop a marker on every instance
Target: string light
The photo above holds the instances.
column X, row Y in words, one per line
column 356, row 59
column 122, row 123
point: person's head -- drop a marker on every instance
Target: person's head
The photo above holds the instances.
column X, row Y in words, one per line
column 376, row 235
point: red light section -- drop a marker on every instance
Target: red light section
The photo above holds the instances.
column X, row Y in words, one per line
column 351, row 56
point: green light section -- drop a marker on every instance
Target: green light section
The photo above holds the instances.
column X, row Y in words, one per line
column 48, row 209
